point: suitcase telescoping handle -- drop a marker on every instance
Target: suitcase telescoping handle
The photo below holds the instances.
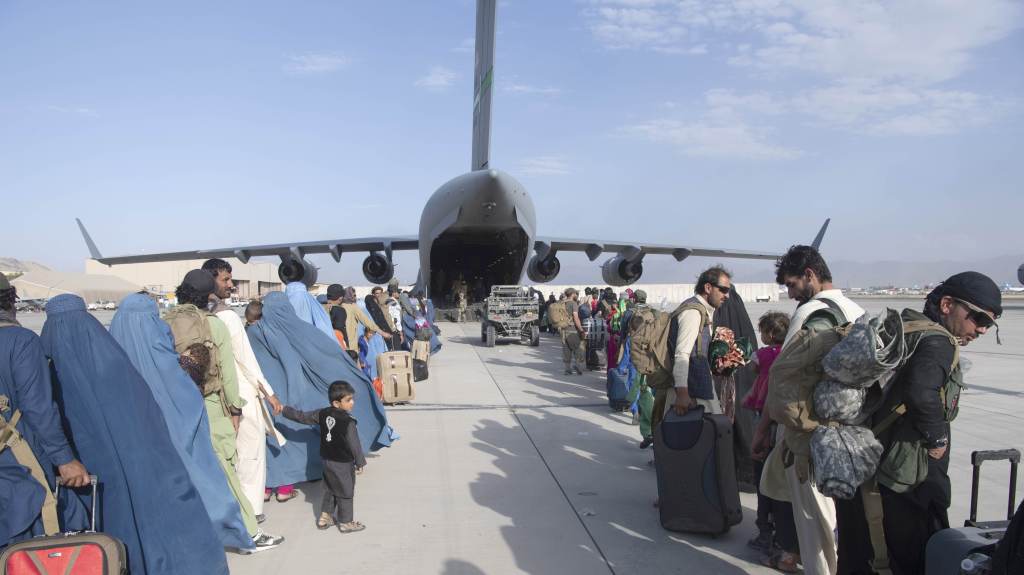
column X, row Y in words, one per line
column 977, row 458
column 92, row 511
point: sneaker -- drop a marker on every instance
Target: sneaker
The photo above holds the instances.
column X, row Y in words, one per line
column 568, row 372
column 261, row 518
column 646, row 442
column 262, row 542
column 579, row 371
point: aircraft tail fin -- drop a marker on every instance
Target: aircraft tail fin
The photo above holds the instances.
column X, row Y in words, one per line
column 94, row 252
column 816, row 244
column 483, row 81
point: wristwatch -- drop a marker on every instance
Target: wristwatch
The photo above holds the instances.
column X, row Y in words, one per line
column 939, row 443
column 236, row 411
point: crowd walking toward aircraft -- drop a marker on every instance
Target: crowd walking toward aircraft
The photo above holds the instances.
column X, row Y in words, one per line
column 193, row 420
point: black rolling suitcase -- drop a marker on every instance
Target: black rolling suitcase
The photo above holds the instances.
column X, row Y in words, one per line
column 949, row 547
column 697, row 490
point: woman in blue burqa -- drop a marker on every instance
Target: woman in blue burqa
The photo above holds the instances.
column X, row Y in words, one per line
column 308, row 309
column 148, row 342
column 147, row 498
column 300, row 364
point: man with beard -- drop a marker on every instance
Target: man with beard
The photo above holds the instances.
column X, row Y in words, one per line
column 820, row 307
column 255, row 423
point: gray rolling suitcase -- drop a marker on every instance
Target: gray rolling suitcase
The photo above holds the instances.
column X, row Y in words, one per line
column 948, row 548
column 697, row 490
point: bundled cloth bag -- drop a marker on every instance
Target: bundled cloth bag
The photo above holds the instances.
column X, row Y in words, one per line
column 858, row 370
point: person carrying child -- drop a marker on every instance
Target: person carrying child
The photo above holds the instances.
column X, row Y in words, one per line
column 341, row 453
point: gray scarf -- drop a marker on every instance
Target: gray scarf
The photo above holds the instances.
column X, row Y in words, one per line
column 7, row 318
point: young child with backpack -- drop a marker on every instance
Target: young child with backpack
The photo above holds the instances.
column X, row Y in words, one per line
column 776, row 537
column 341, row 453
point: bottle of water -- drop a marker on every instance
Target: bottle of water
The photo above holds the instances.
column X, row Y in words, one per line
column 976, row 564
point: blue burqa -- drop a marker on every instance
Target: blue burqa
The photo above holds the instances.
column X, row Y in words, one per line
column 308, row 309
column 147, row 340
column 147, row 499
column 25, row 381
column 301, row 364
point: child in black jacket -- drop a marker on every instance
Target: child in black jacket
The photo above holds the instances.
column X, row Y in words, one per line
column 341, row 453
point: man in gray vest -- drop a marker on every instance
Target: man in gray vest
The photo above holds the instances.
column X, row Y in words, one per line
column 691, row 370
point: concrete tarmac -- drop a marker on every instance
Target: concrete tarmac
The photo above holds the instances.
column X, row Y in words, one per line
column 506, row 465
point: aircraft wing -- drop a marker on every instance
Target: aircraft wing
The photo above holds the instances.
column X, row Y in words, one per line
column 635, row 250
column 296, row 250
column 632, row 250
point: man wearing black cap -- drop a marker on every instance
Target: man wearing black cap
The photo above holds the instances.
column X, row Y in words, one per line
column 927, row 391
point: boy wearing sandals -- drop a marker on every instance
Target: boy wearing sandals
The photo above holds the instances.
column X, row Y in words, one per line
column 341, row 453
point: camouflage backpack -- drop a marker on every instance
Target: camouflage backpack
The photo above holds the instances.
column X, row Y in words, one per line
column 190, row 326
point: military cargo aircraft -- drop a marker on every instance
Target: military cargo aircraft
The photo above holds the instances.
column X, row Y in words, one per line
column 480, row 226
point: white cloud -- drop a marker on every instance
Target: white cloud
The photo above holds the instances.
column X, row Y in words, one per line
column 721, row 130
column 714, row 135
column 87, row 112
column 517, row 88
column 921, row 41
column 544, row 166
column 314, row 63
column 891, row 109
column 438, row 78
column 867, row 66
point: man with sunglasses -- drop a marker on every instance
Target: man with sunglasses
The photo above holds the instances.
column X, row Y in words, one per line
column 965, row 307
column 691, row 383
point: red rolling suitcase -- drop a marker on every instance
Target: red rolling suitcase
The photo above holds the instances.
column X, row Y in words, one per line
column 84, row 553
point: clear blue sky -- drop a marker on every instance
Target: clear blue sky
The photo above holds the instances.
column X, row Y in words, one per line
column 182, row 125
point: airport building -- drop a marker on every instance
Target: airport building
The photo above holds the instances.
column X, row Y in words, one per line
column 252, row 280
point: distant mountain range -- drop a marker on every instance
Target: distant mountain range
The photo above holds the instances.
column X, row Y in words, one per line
column 9, row 265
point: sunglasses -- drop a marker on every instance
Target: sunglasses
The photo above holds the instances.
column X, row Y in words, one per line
column 976, row 314
column 723, row 289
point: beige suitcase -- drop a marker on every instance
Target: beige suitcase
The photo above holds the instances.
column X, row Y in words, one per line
column 395, row 372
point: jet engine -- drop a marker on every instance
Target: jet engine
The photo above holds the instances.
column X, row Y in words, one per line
column 378, row 269
column 619, row 271
column 543, row 270
column 293, row 270
column 1020, row 274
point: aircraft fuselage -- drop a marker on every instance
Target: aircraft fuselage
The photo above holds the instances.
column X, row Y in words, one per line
column 478, row 227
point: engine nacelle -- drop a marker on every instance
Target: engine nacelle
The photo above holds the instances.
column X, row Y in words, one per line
column 618, row 271
column 293, row 270
column 1020, row 274
column 543, row 270
column 378, row 269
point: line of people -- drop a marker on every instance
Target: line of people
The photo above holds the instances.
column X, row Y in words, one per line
column 798, row 526
column 190, row 421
